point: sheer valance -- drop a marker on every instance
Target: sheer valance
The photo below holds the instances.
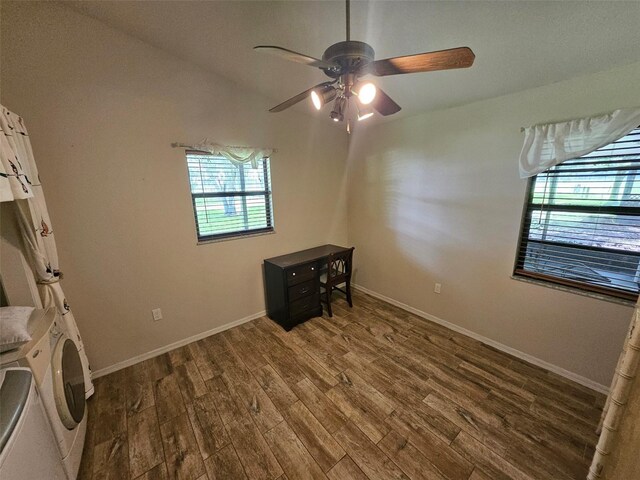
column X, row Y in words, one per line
column 235, row 154
column 547, row 145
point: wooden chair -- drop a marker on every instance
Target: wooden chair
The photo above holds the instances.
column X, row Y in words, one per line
column 338, row 272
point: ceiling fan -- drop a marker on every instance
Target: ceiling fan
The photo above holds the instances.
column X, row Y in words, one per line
column 346, row 63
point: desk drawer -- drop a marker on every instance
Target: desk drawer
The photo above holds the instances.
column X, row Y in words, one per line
column 302, row 289
column 301, row 273
column 303, row 305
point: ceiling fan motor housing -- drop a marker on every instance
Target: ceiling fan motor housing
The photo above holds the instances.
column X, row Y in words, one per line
column 350, row 56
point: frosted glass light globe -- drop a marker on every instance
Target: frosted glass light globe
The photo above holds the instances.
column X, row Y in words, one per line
column 315, row 98
column 367, row 93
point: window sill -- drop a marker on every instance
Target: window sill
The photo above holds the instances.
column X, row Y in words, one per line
column 235, row 237
column 577, row 291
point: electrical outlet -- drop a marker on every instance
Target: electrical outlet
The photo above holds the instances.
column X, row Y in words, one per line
column 437, row 288
column 157, row 314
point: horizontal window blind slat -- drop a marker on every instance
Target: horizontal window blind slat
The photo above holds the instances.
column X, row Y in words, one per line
column 625, row 270
column 577, row 247
column 582, row 286
column 625, row 267
column 629, row 262
column 602, row 164
column 615, row 211
column 230, row 194
column 613, row 171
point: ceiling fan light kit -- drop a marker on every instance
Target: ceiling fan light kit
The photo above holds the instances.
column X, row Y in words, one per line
column 347, row 62
column 364, row 112
column 366, row 93
column 339, row 108
column 320, row 96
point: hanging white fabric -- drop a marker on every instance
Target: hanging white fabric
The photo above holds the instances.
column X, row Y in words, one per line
column 236, row 155
column 15, row 179
column 547, row 145
column 37, row 234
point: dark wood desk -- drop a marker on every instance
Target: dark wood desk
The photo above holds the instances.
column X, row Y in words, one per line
column 293, row 284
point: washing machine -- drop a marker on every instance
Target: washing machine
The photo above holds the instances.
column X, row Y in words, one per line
column 58, row 371
column 28, row 450
column 68, row 323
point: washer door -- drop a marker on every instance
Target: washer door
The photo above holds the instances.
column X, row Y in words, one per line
column 68, row 382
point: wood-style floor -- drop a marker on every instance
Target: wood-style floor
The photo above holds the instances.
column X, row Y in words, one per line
column 373, row 393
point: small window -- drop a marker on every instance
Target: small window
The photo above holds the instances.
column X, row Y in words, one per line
column 581, row 225
column 229, row 199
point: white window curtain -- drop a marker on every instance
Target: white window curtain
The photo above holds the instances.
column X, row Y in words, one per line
column 550, row 144
column 37, row 231
column 236, row 155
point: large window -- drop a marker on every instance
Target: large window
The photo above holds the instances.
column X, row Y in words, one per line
column 229, row 199
column 581, row 225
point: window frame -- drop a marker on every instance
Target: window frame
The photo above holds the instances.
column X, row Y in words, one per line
column 243, row 194
column 523, row 240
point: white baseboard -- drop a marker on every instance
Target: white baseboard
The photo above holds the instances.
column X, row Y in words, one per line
column 180, row 343
column 504, row 348
column 456, row 328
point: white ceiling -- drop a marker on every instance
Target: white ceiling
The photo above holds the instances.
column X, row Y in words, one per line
column 518, row 44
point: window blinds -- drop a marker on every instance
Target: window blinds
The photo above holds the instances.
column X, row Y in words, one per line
column 581, row 225
column 229, row 199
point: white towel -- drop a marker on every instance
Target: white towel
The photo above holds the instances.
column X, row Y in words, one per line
column 13, row 327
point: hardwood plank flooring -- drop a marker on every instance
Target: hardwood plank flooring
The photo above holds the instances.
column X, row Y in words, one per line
column 224, row 464
column 322, row 446
column 346, row 469
column 145, row 444
column 207, row 425
column 181, row 449
column 372, row 393
column 291, row 453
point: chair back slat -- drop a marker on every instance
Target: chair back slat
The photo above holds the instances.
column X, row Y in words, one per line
column 339, row 267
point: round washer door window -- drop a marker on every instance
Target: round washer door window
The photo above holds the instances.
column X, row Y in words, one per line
column 68, row 383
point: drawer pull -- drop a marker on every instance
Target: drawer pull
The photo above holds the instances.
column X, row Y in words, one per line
column 294, row 274
column 36, row 353
column 304, row 290
column 313, row 268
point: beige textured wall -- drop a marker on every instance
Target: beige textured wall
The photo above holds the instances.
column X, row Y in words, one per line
column 102, row 109
column 437, row 198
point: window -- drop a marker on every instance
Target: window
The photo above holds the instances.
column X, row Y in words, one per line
column 581, row 224
column 229, row 199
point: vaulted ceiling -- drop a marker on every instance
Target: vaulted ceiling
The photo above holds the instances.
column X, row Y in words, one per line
column 518, row 44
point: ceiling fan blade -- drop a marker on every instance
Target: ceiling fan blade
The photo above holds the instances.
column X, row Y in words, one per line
column 298, row 98
column 294, row 56
column 423, row 62
column 384, row 104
